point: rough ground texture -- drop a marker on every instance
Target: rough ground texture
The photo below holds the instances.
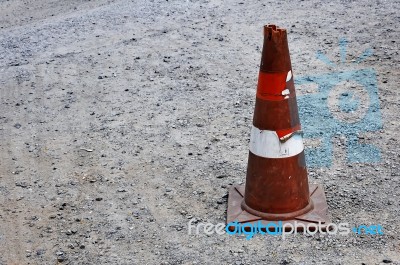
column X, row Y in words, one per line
column 122, row 120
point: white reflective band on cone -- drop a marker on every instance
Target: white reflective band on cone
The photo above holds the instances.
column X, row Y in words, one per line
column 266, row 144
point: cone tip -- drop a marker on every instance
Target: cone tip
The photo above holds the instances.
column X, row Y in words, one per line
column 272, row 31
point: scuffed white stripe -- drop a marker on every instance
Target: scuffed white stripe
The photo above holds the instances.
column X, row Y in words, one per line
column 289, row 76
column 267, row 144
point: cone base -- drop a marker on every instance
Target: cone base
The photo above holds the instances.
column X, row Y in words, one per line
column 277, row 216
column 317, row 215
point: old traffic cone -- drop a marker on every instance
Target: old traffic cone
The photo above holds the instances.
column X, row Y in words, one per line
column 277, row 186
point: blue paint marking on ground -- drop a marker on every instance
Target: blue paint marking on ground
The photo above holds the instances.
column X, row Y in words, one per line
column 319, row 123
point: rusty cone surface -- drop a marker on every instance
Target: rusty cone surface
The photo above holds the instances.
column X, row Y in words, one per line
column 277, row 186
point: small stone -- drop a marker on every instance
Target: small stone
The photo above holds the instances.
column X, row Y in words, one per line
column 386, row 260
column 21, row 184
column 60, row 256
column 17, row 125
column 99, row 199
column 285, row 262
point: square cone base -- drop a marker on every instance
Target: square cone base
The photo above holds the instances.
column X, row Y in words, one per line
column 317, row 216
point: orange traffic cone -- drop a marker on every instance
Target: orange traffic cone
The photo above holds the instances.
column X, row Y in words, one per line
column 277, row 186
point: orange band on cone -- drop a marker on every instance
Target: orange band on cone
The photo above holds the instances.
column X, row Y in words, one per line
column 271, row 85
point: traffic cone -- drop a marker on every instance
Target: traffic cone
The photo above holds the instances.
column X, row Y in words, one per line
column 277, row 186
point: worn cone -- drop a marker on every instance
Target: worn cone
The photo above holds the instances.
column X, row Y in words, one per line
column 277, row 186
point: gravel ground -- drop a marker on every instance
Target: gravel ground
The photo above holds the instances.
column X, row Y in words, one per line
column 123, row 120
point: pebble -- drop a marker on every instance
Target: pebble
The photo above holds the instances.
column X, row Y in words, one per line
column 40, row 252
column 60, row 256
